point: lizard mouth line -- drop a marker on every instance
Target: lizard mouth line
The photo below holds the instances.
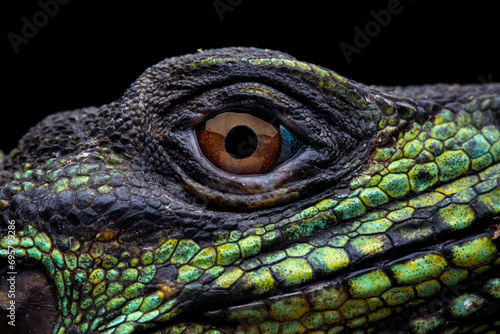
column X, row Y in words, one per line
column 220, row 306
column 419, row 245
column 388, row 261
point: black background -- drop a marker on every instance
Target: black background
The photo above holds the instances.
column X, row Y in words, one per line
column 89, row 52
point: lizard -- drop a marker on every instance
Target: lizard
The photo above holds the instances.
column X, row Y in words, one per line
column 240, row 190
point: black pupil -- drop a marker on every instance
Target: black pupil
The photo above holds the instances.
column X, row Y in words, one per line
column 241, row 142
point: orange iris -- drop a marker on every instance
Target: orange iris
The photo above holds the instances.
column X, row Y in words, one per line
column 240, row 143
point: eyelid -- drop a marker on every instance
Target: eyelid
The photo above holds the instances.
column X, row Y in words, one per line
column 251, row 184
column 260, row 98
column 232, row 119
column 290, row 177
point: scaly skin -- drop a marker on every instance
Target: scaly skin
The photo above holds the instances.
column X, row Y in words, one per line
column 385, row 221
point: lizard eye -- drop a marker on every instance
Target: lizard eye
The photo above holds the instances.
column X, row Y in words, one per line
column 241, row 143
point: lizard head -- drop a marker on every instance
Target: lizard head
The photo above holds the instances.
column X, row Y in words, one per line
column 239, row 190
